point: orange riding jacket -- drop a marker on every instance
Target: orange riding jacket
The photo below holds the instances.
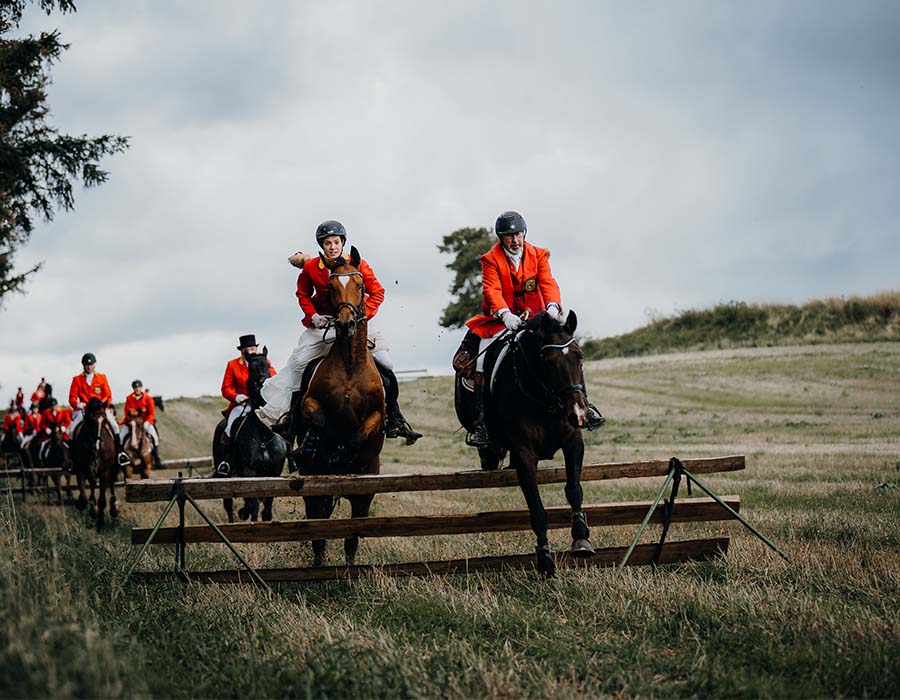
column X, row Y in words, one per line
column 33, row 423
column 81, row 391
column 237, row 374
column 312, row 290
column 61, row 418
column 12, row 423
column 530, row 288
column 143, row 406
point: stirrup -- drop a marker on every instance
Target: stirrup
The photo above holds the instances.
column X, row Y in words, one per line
column 123, row 459
column 478, row 438
column 224, row 469
column 593, row 419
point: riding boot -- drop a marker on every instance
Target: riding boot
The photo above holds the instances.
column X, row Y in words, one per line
column 283, row 426
column 478, row 435
column 395, row 424
column 157, row 462
column 593, row 419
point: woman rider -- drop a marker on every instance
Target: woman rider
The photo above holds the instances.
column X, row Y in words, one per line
column 312, row 295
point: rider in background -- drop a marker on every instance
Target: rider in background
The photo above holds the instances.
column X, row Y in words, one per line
column 234, row 383
column 32, row 424
column 54, row 415
column 312, row 295
column 90, row 384
column 40, row 392
column 20, row 402
column 12, row 423
column 515, row 278
column 141, row 403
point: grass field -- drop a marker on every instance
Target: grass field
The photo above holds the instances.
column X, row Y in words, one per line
column 820, row 427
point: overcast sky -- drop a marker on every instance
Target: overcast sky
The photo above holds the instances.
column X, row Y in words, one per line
column 670, row 154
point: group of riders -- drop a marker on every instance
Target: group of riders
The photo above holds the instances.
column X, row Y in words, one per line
column 516, row 282
column 45, row 416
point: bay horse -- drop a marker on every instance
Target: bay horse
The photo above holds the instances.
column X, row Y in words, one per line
column 535, row 406
column 138, row 448
column 254, row 450
column 343, row 411
column 93, row 451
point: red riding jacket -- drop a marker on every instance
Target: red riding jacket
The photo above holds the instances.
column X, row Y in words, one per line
column 33, row 423
column 237, row 374
column 60, row 417
column 81, row 391
column 312, row 290
column 12, row 423
column 531, row 287
column 143, row 406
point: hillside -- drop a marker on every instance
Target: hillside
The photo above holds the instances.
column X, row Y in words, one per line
column 736, row 324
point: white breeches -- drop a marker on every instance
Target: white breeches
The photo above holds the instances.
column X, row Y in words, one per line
column 482, row 352
column 236, row 413
column 78, row 416
column 277, row 390
column 149, row 428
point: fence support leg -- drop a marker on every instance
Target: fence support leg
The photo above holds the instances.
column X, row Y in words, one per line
column 647, row 517
column 237, row 555
column 669, row 506
column 737, row 515
column 179, row 532
column 162, row 518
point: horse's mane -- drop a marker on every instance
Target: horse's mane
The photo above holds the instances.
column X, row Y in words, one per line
column 535, row 324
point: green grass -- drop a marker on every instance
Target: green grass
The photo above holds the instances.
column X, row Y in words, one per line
column 818, row 482
column 737, row 324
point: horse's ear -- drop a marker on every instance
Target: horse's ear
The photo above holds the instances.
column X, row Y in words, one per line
column 265, row 351
column 354, row 256
column 571, row 322
column 546, row 323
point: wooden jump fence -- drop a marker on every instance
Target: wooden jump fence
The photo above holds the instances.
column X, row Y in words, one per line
column 181, row 491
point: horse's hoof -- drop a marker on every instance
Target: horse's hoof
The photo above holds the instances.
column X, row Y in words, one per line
column 81, row 504
column 113, row 512
column 545, row 563
column 318, row 561
column 94, row 511
column 581, row 548
column 243, row 514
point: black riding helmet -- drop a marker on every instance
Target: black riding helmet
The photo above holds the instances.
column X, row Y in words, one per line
column 88, row 359
column 330, row 228
column 510, row 222
column 136, row 383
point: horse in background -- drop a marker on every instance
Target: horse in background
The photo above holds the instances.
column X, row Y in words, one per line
column 138, row 448
column 53, row 453
column 343, row 410
column 93, row 450
column 11, row 444
column 254, row 449
column 44, row 403
column 534, row 408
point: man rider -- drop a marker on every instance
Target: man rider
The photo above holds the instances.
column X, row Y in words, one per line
column 515, row 278
column 142, row 404
column 32, row 424
column 234, row 383
column 312, row 295
column 90, row 384
column 54, row 415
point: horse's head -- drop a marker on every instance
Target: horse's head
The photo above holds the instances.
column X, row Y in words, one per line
column 346, row 292
column 559, row 367
column 95, row 408
column 258, row 370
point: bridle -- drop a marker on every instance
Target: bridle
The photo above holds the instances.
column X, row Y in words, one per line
column 359, row 312
column 552, row 396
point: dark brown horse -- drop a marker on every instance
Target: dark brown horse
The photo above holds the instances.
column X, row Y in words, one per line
column 534, row 408
column 343, row 410
column 93, row 452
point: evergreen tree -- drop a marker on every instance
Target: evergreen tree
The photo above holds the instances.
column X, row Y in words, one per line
column 37, row 164
column 466, row 245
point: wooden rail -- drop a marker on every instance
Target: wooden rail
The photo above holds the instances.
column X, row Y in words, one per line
column 205, row 488
column 671, row 553
column 688, row 510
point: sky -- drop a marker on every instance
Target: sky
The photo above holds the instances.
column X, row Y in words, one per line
column 671, row 155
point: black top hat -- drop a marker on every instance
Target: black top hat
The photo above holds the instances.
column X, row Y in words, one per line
column 246, row 341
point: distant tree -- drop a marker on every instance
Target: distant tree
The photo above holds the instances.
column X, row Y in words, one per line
column 37, row 164
column 466, row 245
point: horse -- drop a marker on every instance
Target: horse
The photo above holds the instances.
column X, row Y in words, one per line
column 254, row 450
column 11, row 444
column 343, row 410
column 55, row 456
column 138, row 448
column 44, row 403
column 93, row 450
column 536, row 406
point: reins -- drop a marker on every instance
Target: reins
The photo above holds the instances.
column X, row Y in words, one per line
column 552, row 399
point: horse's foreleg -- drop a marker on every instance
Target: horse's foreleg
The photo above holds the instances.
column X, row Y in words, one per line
column 82, row 502
column 315, row 508
column 250, row 509
column 359, row 508
column 369, row 428
column 525, row 464
column 228, row 503
column 113, row 501
column 267, row 508
column 101, row 503
column 313, row 413
column 574, row 454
